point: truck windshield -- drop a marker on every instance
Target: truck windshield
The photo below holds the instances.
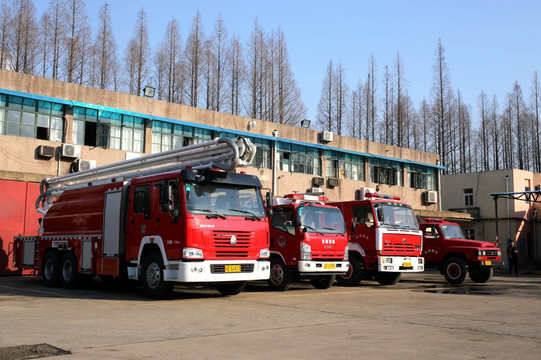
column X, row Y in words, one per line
column 395, row 215
column 323, row 220
column 224, row 200
column 452, row 232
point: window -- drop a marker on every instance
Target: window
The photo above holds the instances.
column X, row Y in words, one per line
column 386, row 172
column 470, row 234
column 468, row 197
column 282, row 218
column 141, row 200
column 344, row 166
column 299, row 158
column 363, row 215
column 108, row 129
column 31, row 118
column 168, row 136
column 422, row 177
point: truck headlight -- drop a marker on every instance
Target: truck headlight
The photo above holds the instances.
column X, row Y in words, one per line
column 192, row 253
column 306, row 251
column 264, row 253
column 481, row 253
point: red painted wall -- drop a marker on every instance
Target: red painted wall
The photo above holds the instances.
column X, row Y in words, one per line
column 18, row 216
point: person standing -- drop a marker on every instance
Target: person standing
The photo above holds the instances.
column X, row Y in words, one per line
column 512, row 254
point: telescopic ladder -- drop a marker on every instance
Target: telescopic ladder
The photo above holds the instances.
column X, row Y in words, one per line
column 221, row 153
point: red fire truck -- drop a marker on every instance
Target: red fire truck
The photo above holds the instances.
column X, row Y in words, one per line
column 308, row 241
column 181, row 216
column 384, row 239
column 447, row 249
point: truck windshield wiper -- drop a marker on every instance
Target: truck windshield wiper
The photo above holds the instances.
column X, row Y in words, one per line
column 315, row 230
column 211, row 213
column 251, row 214
column 334, row 230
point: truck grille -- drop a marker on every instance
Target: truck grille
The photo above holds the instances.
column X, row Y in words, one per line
column 224, row 243
column 398, row 247
column 220, row 269
column 492, row 252
column 324, row 256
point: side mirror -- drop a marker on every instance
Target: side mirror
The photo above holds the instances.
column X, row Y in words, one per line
column 298, row 222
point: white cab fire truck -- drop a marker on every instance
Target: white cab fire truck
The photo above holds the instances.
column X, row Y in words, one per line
column 180, row 216
column 308, row 241
column 384, row 239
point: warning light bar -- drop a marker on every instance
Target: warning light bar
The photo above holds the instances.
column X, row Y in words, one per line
column 307, row 197
column 381, row 196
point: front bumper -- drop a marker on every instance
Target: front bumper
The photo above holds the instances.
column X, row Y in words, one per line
column 400, row 264
column 315, row 266
column 217, row 271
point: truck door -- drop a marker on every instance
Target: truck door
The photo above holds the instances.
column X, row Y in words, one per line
column 139, row 219
column 283, row 234
column 432, row 243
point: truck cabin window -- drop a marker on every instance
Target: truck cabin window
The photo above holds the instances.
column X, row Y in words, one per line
column 141, row 200
column 395, row 215
column 363, row 215
column 452, row 232
column 282, row 218
column 223, row 200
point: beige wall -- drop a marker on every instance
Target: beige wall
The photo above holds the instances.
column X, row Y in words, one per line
column 15, row 164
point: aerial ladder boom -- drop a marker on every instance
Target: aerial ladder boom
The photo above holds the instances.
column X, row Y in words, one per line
column 221, row 153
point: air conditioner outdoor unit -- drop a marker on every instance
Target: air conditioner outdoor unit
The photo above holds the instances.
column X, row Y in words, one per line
column 85, row 164
column 431, row 197
column 359, row 194
column 332, row 182
column 46, row 151
column 316, row 190
column 73, row 151
column 327, row 136
column 318, row 181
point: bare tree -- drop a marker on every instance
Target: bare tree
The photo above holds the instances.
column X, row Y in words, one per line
column 220, row 64
column 535, row 105
column 194, row 59
column 341, row 92
column 54, row 31
column 24, row 42
column 495, row 130
column 326, row 105
column 5, row 27
column 169, row 64
column 236, row 76
column 76, row 41
column 255, row 68
column 136, row 60
column 483, row 105
column 105, row 47
column 386, row 135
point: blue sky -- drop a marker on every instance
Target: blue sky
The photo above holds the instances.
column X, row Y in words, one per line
column 489, row 44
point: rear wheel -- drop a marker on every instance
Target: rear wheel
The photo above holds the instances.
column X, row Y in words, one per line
column 323, row 281
column 454, row 270
column 354, row 274
column 390, row 278
column 481, row 274
column 51, row 268
column 152, row 277
column 68, row 270
column 280, row 276
column 231, row 288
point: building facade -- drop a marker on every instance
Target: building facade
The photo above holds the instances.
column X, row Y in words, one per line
column 50, row 128
column 517, row 220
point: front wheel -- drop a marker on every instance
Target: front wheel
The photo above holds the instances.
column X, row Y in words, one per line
column 231, row 288
column 354, row 274
column 68, row 270
column 454, row 270
column 481, row 274
column 152, row 277
column 51, row 268
column 323, row 281
column 390, row 278
column 280, row 276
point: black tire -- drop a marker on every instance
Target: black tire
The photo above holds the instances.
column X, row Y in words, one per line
column 354, row 274
column 69, row 276
column 280, row 276
column 51, row 268
column 454, row 270
column 481, row 274
column 231, row 288
column 152, row 278
column 389, row 278
column 323, row 281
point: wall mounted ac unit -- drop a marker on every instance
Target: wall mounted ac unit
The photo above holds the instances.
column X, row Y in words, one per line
column 431, row 197
column 359, row 194
column 332, row 182
column 46, row 151
column 318, row 181
column 69, row 150
column 316, row 190
column 327, row 136
column 85, row 164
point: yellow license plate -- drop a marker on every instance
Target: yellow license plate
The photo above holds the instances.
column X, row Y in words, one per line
column 488, row 263
column 329, row 266
column 232, row 268
column 406, row 264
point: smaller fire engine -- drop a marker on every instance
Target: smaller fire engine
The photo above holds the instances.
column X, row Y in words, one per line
column 446, row 249
column 180, row 216
column 308, row 241
column 384, row 239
